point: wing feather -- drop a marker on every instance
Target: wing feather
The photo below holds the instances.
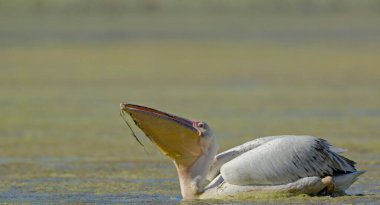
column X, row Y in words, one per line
column 284, row 160
column 234, row 152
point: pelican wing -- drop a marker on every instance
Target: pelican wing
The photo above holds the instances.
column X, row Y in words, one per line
column 234, row 152
column 285, row 159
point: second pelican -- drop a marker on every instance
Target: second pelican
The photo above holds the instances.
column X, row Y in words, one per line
column 295, row 164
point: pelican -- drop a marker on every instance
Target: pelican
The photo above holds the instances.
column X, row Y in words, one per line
column 288, row 163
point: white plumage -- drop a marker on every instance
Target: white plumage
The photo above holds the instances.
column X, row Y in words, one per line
column 285, row 159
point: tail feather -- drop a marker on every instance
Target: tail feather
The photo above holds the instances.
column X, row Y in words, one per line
column 342, row 182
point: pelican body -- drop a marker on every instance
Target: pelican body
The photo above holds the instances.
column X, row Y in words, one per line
column 288, row 163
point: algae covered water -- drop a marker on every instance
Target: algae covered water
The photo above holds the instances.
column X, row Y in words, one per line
column 64, row 71
column 74, row 180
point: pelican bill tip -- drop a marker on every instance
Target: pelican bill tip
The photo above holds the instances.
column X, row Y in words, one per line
column 123, row 106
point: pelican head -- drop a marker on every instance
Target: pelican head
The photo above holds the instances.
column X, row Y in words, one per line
column 181, row 139
column 190, row 143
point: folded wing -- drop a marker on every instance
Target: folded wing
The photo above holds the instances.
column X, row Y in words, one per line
column 285, row 159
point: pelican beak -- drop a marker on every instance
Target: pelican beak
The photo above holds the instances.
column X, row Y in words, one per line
column 176, row 137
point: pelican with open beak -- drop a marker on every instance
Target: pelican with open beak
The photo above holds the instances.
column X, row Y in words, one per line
column 295, row 164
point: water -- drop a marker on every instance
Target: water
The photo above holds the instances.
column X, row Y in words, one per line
column 75, row 180
column 248, row 75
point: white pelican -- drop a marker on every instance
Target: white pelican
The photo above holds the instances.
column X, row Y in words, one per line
column 295, row 164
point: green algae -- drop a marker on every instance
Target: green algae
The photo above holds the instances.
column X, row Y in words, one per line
column 62, row 138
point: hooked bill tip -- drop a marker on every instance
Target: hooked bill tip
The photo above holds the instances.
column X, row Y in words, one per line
column 123, row 105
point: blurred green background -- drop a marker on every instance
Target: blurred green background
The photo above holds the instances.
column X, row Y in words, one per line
column 248, row 68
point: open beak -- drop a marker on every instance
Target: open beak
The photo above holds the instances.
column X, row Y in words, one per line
column 177, row 137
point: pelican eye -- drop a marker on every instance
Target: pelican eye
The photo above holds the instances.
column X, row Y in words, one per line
column 200, row 125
